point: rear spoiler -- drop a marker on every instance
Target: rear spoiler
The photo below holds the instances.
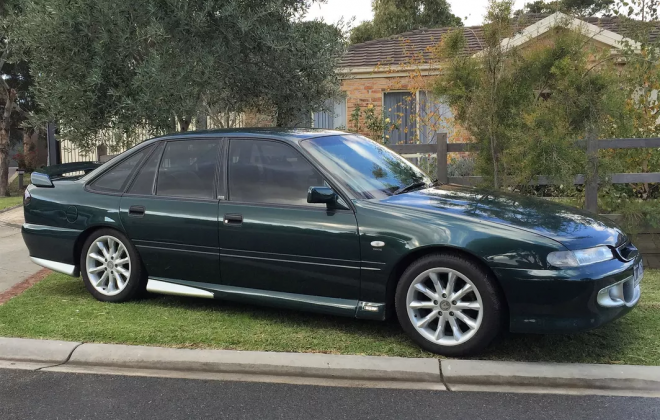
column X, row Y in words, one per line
column 43, row 177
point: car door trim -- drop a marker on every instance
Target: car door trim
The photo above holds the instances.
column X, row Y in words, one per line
column 347, row 307
column 168, row 288
column 287, row 261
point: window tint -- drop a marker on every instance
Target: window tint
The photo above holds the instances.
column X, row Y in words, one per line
column 188, row 169
column 144, row 180
column 269, row 172
column 117, row 178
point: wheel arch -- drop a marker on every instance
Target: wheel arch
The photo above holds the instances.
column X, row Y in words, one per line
column 405, row 261
column 80, row 241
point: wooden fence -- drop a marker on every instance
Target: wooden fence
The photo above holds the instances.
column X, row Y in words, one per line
column 442, row 148
column 648, row 241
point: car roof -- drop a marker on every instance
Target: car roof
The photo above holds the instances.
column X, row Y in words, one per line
column 287, row 134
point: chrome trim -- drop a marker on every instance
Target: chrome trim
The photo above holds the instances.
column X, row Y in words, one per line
column 68, row 269
column 261, row 296
column 157, row 286
column 614, row 295
column 287, row 261
column 291, row 255
column 175, row 249
column 370, row 268
column 290, row 297
column 32, row 226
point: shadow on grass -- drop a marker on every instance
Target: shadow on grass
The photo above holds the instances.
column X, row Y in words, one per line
column 622, row 341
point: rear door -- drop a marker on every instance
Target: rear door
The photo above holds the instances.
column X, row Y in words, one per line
column 170, row 211
column 271, row 238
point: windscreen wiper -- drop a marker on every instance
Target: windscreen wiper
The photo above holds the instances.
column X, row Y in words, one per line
column 414, row 185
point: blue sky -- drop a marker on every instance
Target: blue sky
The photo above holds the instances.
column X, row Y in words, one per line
column 334, row 10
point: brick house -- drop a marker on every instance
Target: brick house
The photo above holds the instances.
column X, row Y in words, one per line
column 394, row 75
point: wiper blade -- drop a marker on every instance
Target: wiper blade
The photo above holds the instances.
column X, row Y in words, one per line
column 410, row 187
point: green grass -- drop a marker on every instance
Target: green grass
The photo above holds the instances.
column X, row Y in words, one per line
column 60, row 308
column 6, row 202
column 15, row 195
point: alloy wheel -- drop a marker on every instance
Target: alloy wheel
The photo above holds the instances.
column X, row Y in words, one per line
column 444, row 306
column 108, row 265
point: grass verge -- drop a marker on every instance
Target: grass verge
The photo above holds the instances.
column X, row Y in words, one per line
column 15, row 194
column 59, row 307
column 7, row 202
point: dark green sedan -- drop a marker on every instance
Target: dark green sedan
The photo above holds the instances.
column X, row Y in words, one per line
column 329, row 222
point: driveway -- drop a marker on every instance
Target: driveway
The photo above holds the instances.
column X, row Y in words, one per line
column 15, row 264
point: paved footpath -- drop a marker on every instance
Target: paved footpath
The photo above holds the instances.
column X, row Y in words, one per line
column 55, row 395
column 15, row 264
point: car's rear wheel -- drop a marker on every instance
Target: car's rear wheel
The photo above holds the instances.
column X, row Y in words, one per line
column 110, row 267
column 449, row 305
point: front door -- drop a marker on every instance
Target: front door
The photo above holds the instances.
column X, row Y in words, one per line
column 170, row 211
column 271, row 238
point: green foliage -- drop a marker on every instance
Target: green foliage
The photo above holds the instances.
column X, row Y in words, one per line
column 577, row 7
column 527, row 108
column 393, row 17
column 156, row 64
column 461, row 166
column 375, row 124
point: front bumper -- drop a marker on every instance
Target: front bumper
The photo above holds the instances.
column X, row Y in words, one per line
column 561, row 301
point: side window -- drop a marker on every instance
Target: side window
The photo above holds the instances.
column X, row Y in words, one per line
column 187, row 169
column 117, row 178
column 263, row 171
column 144, row 180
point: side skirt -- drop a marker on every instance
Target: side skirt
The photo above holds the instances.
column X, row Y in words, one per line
column 332, row 306
column 68, row 269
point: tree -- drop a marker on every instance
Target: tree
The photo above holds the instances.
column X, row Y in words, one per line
column 393, row 17
column 159, row 64
column 577, row 7
column 526, row 108
column 15, row 99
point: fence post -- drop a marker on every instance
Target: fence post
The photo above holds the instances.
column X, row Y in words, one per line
column 51, row 144
column 591, row 182
column 442, row 158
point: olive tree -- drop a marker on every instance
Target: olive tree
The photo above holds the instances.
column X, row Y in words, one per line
column 159, row 64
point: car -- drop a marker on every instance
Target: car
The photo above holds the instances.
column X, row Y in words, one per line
column 331, row 222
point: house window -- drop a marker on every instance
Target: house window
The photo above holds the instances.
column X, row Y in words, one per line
column 401, row 109
column 434, row 116
column 333, row 116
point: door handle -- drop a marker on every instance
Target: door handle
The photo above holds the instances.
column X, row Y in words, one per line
column 233, row 219
column 136, row 211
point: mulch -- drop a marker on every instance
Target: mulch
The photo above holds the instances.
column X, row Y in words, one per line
column 19, row 288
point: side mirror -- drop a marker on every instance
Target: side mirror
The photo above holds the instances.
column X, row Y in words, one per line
column 322, row 195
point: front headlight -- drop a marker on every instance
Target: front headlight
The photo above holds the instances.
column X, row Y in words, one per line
column 580, row 257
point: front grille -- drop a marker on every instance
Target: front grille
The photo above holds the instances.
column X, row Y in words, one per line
column 627, row 251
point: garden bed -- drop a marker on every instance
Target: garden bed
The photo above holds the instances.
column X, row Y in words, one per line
column 59, row 307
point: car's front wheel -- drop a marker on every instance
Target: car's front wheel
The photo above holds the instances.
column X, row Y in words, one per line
column 110, row 267
column 449, row 305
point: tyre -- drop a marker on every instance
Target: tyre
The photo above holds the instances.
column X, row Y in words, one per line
column 111, row 268
column 449, row 305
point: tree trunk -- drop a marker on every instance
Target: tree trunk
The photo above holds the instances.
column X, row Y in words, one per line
column 5, row 125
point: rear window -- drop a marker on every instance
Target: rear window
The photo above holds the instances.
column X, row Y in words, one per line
column 188, row 169
column 117, row 178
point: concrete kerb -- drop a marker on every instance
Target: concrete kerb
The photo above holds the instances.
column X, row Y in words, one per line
column 34, row 354
column 474, row 375
column 455, row 375
column 260, row 363
column 8, row 209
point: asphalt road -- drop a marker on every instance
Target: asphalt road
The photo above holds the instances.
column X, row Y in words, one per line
column 50, row 395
